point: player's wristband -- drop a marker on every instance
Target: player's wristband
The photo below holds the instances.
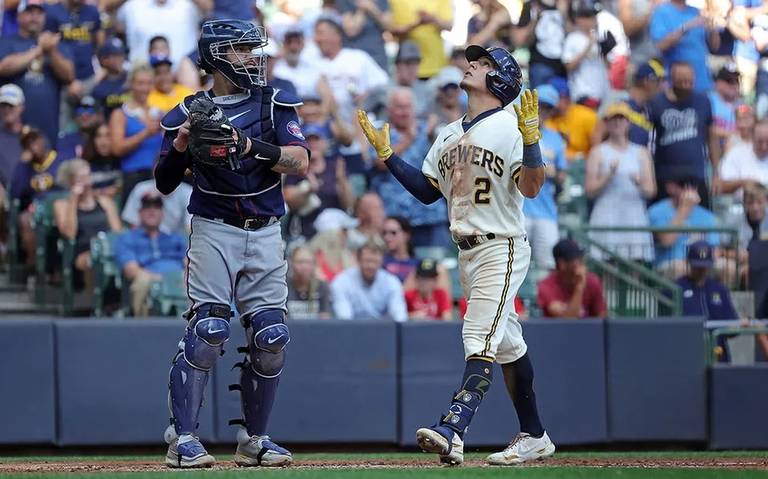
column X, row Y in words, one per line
column 261, row 150
column 532, row 156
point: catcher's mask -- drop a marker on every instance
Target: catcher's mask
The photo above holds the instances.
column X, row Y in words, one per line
column 234, row 49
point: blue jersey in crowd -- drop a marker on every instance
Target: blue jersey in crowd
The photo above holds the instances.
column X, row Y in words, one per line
column 144, row 155
column 31, row 181
column 41, row 88
column 723, row 113
column 682, row 132
column 162, row 254
column 639, row 125
column 78, row 29
column 111, row 93
column 711, row 301
column 661, row 213
column 253, row 189
column 553, row 153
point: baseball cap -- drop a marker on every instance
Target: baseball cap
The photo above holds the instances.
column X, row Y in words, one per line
column 157, row 60
column 11, row 94
column 585, row 8
column 409, row 51
column 728, row 73
column 113, row 46
column 25, row 5
column 548, row 95
column 87, row 104
column 560, row 85
column 313, row 129
column 151, row 199
column 700, row 255
column 292, row 31
column 567, row 249
column 334, row 219
column 449, row 75
column 652, row 69
column 618, row 108
column 427, row 268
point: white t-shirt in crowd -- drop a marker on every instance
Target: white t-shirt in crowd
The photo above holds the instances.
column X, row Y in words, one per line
column 741, row 162
column 590, row 78
column 304, row 75
column 176, row 219
column 176, row 20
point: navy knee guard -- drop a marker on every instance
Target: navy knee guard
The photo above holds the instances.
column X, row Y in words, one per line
column 202, row 344
column 478, row 375
column 267, row 338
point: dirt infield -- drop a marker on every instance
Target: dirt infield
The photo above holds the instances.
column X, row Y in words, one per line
column 146, row 466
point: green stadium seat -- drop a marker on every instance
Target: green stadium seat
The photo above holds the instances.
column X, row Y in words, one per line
column 169, row 296
column 105, row 269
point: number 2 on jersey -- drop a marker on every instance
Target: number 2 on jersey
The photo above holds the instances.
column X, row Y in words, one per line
column 482, row 191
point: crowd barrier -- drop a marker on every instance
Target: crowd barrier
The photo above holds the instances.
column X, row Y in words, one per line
column 104, row 382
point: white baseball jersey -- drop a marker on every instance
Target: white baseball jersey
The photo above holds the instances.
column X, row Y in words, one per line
column 476, row 171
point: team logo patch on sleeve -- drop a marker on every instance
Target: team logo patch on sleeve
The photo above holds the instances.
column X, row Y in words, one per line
column 295, row 130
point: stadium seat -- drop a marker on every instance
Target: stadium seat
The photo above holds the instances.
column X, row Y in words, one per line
column 46, row 235
column 169, row 296
column 106, row 273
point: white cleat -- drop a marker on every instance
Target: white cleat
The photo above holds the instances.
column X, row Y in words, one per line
column 260, row 451
column 523, row 448
column 190, row 454
column 430, row 440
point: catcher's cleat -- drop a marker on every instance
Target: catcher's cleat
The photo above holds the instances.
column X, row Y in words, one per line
column 436, row 440
column 188, row 454
column 523, row 447
column 260, row 451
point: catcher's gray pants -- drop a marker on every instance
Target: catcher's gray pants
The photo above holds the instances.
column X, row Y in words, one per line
column 226, row 262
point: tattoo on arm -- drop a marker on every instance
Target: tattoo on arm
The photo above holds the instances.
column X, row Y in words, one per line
column 289, row 162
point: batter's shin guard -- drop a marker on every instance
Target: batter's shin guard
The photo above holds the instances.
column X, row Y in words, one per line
column 519, row 379
column 478, row 375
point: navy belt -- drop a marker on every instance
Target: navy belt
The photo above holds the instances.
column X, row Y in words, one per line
column 248, row 224
column 469, row 242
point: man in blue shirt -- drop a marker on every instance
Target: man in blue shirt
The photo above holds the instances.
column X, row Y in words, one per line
column 723, row 100
column 682, row 34
column 79, row 25
column 145, row 253
column 541, row 212
column 367, row 291
column 37, row 62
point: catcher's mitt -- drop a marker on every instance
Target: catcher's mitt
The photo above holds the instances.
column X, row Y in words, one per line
column 213, row 140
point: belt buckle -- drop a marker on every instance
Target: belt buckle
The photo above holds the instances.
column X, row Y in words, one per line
column 248, row 222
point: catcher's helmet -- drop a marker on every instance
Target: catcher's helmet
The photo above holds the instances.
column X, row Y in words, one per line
column 219, row 38
column 506, row 81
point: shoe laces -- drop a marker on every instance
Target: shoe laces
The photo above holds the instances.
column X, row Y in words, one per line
column 517, row 439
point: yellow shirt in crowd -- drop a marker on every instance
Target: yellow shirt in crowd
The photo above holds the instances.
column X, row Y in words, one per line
column 406, row 12
column 576, row 125
column 166, row 101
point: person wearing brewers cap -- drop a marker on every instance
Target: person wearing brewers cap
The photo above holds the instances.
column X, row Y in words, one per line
column 111, row 91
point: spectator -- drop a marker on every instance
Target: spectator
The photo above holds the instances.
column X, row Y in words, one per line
column 364, row 23
column 11, row 127
column 745, row 125
column 166, row 93
column 185, row 72
column 427, row 300
column 333, row 243
column 684, row 125
column 745, row 52
column 326, row 184
column 614, row 46
column 755, row 223
column 448, row 106
column 308, row 296
column 294, row 65
column 683, row 35
column 177, row 20
column 423, row 23
column 398, row 258
column 79, row 26
column 575, row 122
column 583, row 57
column 723, row 100
column 146, row 253
column 82, row 215
column 541, row 212
column 490, row 26
column 406, row 75
column 36, row 61
column 105, row 168
column 570, row 291
column 681, row 209
column 369, row 212
column 410, row 141
column 635, row 16
column 367, row 291
column 271, row 53
column 313, row 113
column 542, row 26
column 135, row 130
column 110, row 92
column 620, row 179
column 175, row 218
column 746, row 163
column 87, row 118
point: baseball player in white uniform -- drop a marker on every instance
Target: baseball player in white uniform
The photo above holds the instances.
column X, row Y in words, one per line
column 484, row 164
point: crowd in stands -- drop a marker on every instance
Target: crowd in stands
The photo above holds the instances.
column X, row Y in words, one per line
column 655, row 109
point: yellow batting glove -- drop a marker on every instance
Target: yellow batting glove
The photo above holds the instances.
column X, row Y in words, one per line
column 528, row 117
column 379, row 139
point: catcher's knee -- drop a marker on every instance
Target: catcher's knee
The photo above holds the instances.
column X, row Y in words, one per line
column 207, row 331
column 267, row 338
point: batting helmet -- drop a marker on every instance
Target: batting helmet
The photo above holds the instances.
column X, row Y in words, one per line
column 216, row 49
column 506, row 81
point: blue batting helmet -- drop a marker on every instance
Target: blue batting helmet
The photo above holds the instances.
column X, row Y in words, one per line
column 218, row 51
column 506, row 81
